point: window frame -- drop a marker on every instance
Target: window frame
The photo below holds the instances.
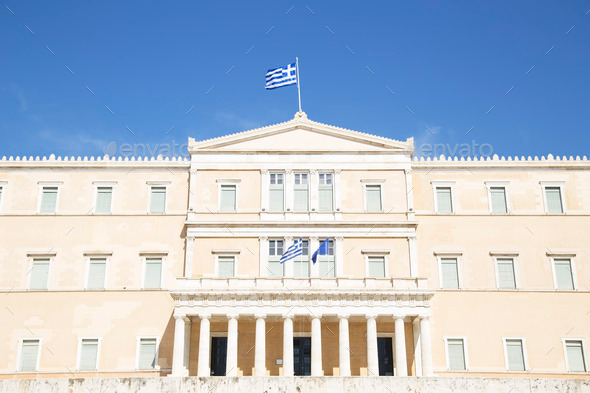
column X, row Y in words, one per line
column 373, row 182
column 457, row 256
column 89, row 257
column 152, row 184
column 268, row 257
column 79, row 357
column 444, row 184
column 49, row 184
column 270, row 185
column 32, row 264
column 307, row 260
column 231, row 182
column 572, row 267
column 498, row 184
column 514, row 258
column 20, row 350
column 100, row 184
column 333, row 188
column 308, row 189
column 137, row 350
column 524, row 354
column 554, row 184
column 465, row 352
column 374, row 253
column 226, row 253
column 144, row 258
column 564, row 341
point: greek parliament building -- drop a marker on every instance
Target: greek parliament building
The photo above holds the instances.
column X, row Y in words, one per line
column 115, row 267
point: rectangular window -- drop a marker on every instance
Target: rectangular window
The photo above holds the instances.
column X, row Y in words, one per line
column 564, row 277
column 147, row 354
column 554, row 200
column 515, row 355
column 276, row 192
column 157, row 200
column 29, row 355
column 498, row 200
column 39, row 273
column 301, row 263
column 226, row 266
column 326, row 192
column 88, row 354
column 376, row 266
column 301, row 192
column 48, row 200
column 327, row 265
column 456, row 354
column 275, row 252
column 97, row 268
column 506, row 274
column 104, row 198
column 153, row 273
column 574, row 351
column 373, row 197
column 1, row 191
column 450, row 273
column 227, row 201
column 444, row 200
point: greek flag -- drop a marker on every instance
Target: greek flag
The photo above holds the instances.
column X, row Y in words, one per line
column 294, row 251
column 282, row 76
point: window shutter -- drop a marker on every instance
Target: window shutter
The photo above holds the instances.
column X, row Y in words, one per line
column 301, row 199
column 563, row 274
column 456, row 352
column 225, row 266
column 276, row 269
column 450, row 275
column 444, row 200
column 96, row 273
column 515, row 355
column 153, row 273
column 575, row 356
column 276, row 200
column 28, row 355
column 147, row 353
column 506, row 278
column 373, row 198
column 48, row 200
column 498, row 196
column 158, row 200
column 553, row 196
column 228, row 198
column 301, row 267
column 88, row 354
column 327, row 266
column 377, row 267
column 104, row 197
column 326, row 199
column 39, row 274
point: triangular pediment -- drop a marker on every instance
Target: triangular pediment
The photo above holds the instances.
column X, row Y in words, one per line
column 301, row 135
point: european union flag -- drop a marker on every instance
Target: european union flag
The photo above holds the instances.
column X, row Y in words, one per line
column 323, row 250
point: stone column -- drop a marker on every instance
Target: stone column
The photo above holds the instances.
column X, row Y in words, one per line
column 344, row 346
column 260, row 343
column 426, row 347
column 187, row 344
column 188, row 258
column 410, row 194
column 413, row 251
column 203, row 369
column 289, row 189
column 288, row 346
column 192, row 183
column 231, row 365
column 316, row 346
column 372, row 355
column 417, row 347
column 337, row 189
column 263, row 241
column 314, row 182
column 178, row 350
column 264, row 192
column 401, row 363
column 338, row 256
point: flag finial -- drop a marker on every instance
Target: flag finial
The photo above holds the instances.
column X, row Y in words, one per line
column 300, row 115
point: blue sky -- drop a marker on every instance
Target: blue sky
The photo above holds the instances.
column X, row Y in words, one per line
column 447, row 63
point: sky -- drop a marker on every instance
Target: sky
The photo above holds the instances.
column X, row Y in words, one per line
column 89, row 78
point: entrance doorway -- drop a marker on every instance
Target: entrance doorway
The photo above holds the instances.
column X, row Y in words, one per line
column 218, row 355
column 385, row 352
column 302, row 355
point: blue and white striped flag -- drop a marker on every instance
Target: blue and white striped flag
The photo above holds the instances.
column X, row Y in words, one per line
column 283, row 76
column 295, row 250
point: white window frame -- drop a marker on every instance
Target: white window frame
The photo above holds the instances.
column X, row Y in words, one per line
column 561, row 186
column 79, row 358
column 497, row 184
column 98, row 184
column 150, row 184
column 572, row 259
column 333, row 174
column 137, row 345
column 584, row 352
column 19, row 353
column 524, row 354
column 226, row 253
column 374, row 253
column 280, row 172
column 31, row 264
column 3, row 185
column 268, row 256
column 106, row 270
column 43, row 184
column 514, row 258
column 144, row 258
column 444, row 184
column 295, row 173
column 373, row 182
column 465, row 352
column 236, row 183
column 440, row 257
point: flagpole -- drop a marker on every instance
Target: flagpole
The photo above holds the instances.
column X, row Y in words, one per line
column 298, row 86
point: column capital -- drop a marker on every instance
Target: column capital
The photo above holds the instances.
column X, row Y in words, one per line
column 338, row 238
column 313, row 238
column 205, row 316
column 289, row 171
column 190, row 238
column 288, row 238
column 182, row 316
column 233, row 316
column 259, row 316
column 343, row 316
column 313, row 171
column 337, row 171
column 287, row 316
column 424, row 317
column 316, row 316
column 408, row 171
column 193, row 172
column 371, row 316
column 264, row 171
column 263, row 238
column 399, row 316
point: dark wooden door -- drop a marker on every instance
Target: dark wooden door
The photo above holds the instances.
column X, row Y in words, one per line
column 218, row 355
column 385, row 351
column 302, row 355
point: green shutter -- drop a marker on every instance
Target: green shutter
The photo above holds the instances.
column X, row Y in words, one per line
column 515, row 355
column 444, row 200
column 326, row 199
column 28, row 355
column 456, row 352
column 373, row 198
column 575, row 356
column 327, row 267
column 553, row 196
column 498, row 196
column 104, row 197
column 301, row 198
column 158, row 200
column 276, row 199
column 377, row 267
column 88, row 354
column 96, row 273
column 226, row 266
column 48, row 200
column 39, row 274
column 153, row 273
column 228, row 198
column 147, row 354
column 450, row 274
column 564, row 274
column 506, row 278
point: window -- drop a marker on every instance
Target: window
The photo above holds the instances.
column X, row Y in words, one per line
column 275, row 252
column 506, row 273
column 301, row 192
column 153, row 273
column 515, row 360
column 553, row 193
column 88, row 357
column 1, row 193
column 327, row 265
column 157, row 200
column 574, row 352
column 449, row 273
column 48, row 203
column 226, row 266
column 97, row 268
column 147, row 353
column 498, row 201
column 376, row 266
column 29, row 355
column 301, row 263
column 39, row 274
column 373, row 197
column 227, row 198
column 456, row 359
column 276, row 197
column 326, row 192
column 104, row 198
column 444, row 200
column 564, row 276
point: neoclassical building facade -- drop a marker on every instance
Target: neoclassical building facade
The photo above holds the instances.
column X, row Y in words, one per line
column 154, row 267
